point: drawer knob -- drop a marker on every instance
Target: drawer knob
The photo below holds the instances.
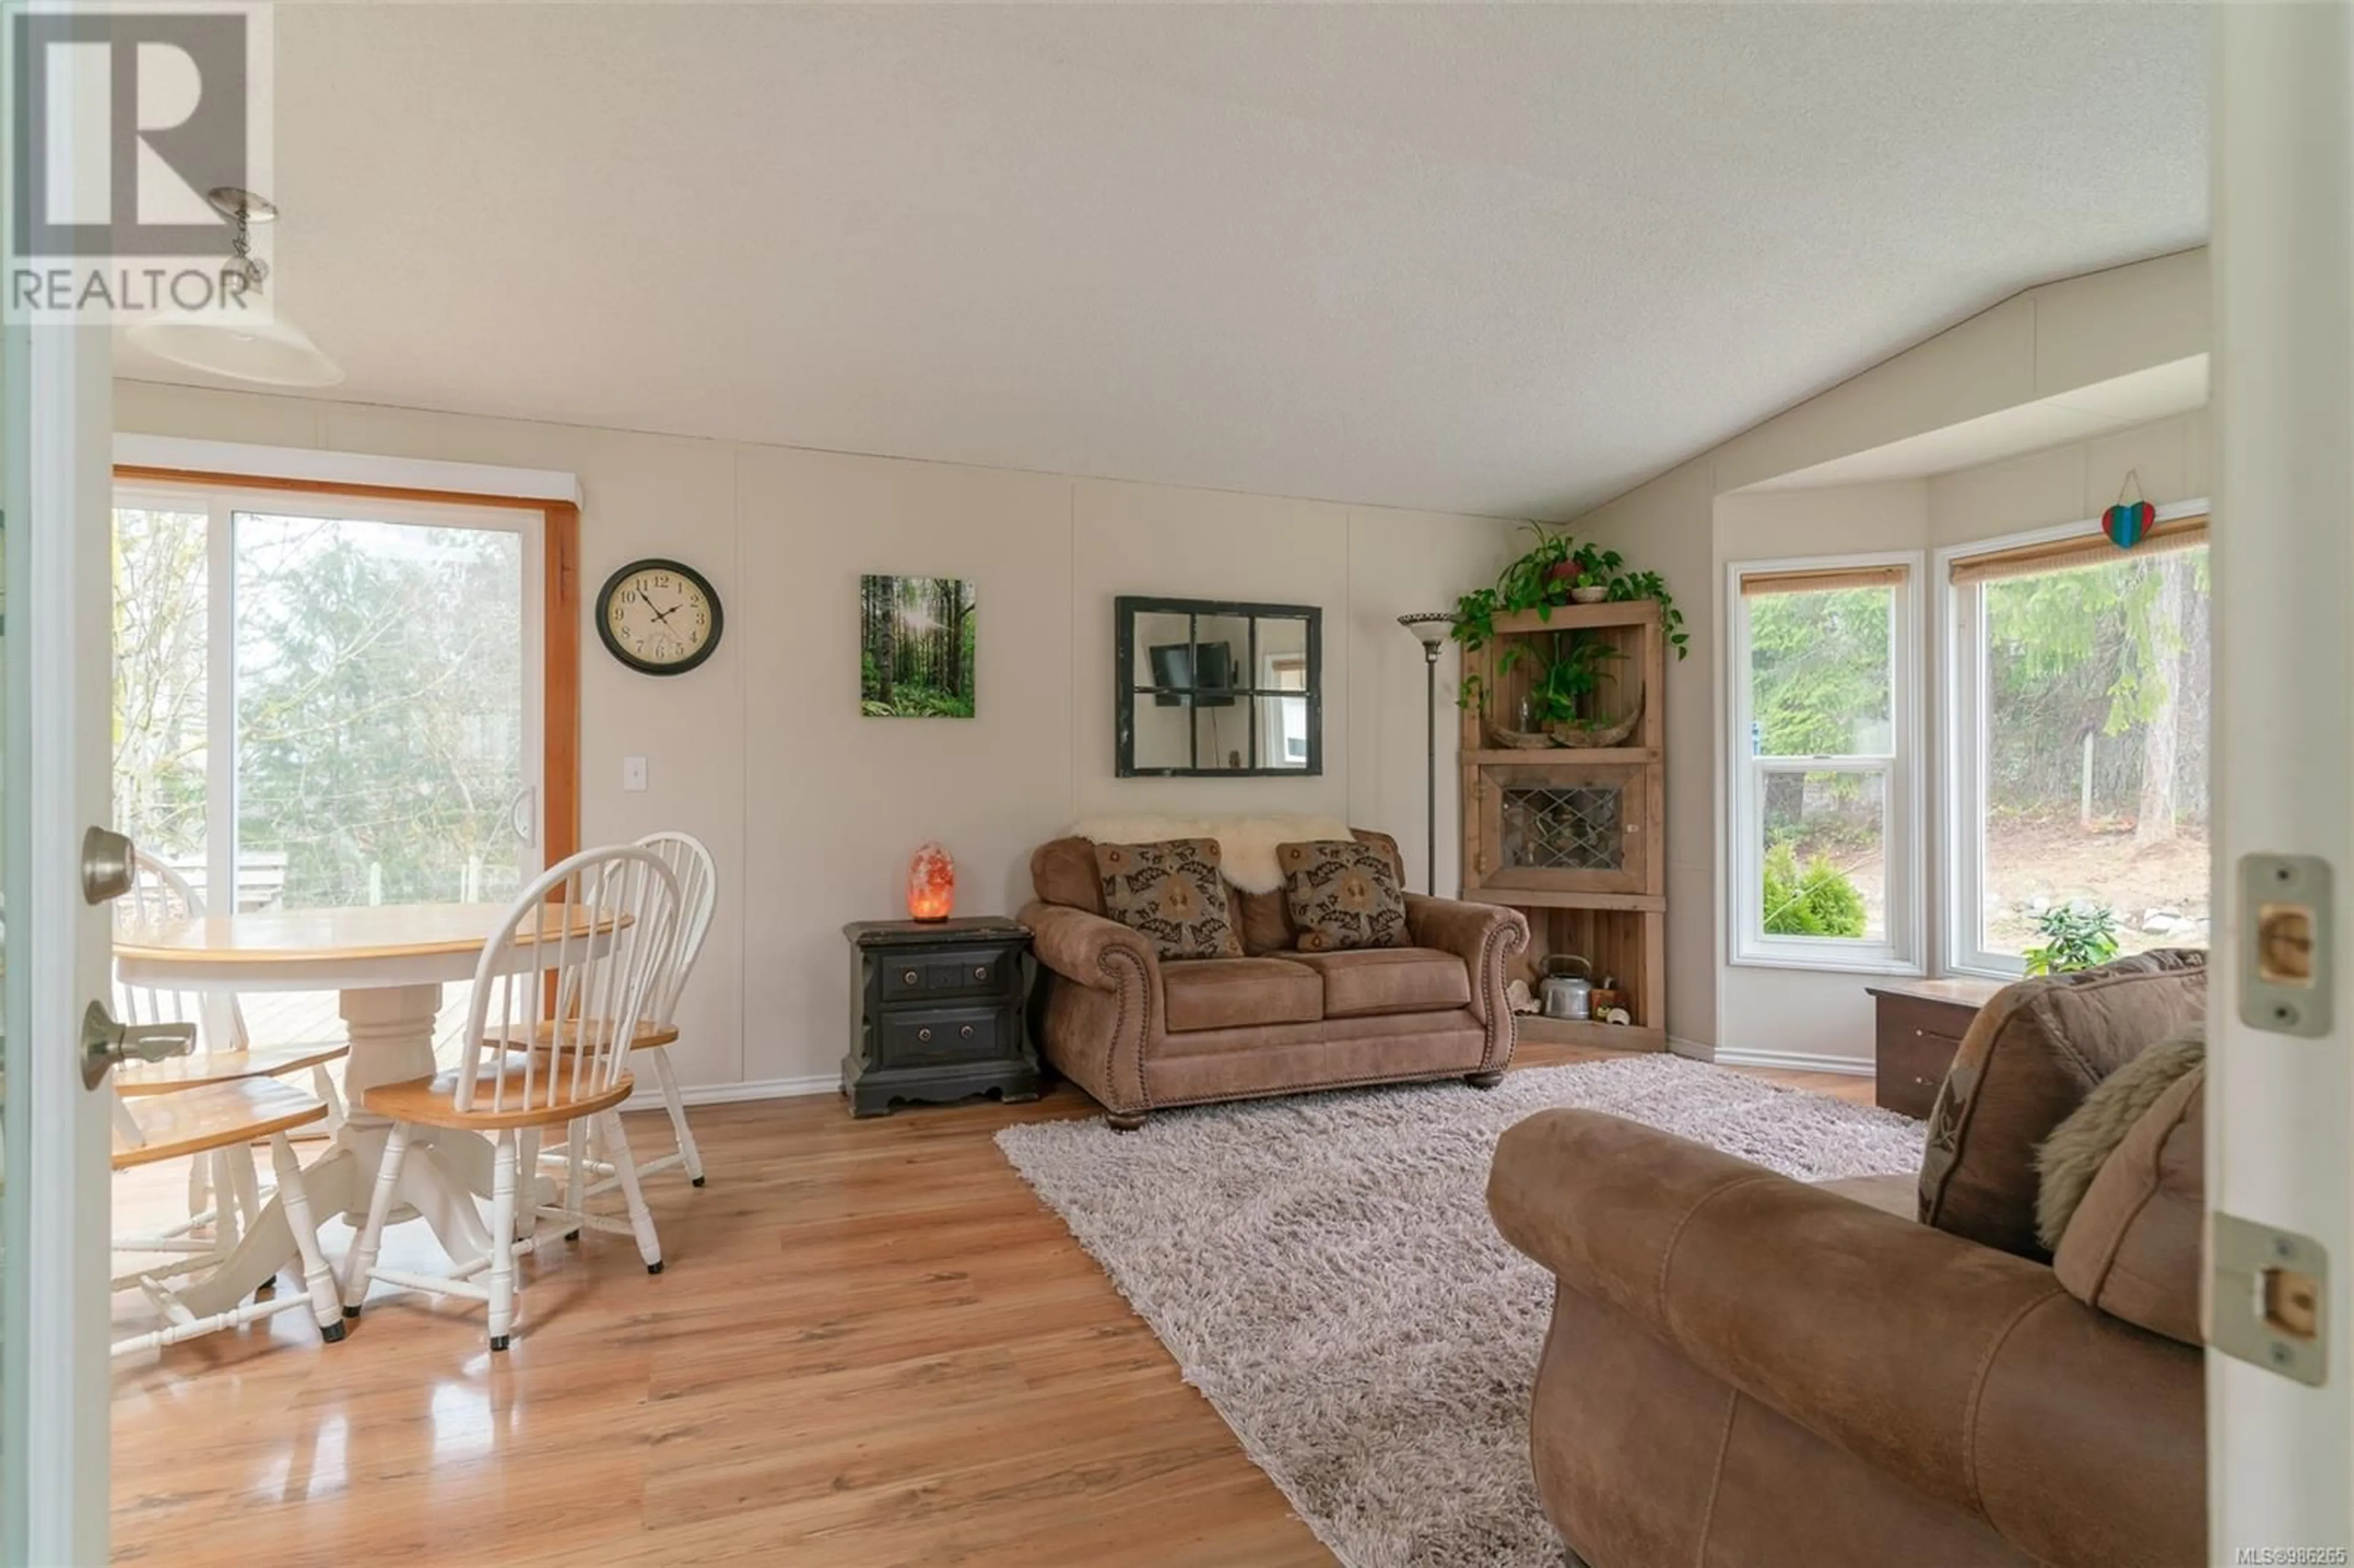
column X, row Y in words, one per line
column 923, row 1034
column 981, row 973
column 966, row 1032
column 909, row 978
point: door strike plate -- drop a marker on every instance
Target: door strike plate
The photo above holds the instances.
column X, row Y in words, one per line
column 2286, row 985
column 2268, row 1297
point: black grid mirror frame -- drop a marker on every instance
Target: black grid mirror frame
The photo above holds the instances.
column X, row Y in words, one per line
column 1126, row 687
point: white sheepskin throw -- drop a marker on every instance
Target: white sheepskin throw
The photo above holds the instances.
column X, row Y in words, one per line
column 2081, row 1145
column 1245, row 844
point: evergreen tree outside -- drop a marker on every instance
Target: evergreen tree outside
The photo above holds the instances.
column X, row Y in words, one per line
column 379, row 697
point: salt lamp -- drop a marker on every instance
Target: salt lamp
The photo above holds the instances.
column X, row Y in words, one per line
column 931, row 884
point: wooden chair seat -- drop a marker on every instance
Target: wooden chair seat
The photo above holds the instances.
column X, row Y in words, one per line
column 215, row 1116
column 592, row 1034
column 137, row 1079
column 433, row 1102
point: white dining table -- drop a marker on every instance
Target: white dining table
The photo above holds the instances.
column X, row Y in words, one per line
column 390, row 962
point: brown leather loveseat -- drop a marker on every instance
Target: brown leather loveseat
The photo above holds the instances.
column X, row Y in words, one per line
column 1749, row 1371
column 1137, row 1032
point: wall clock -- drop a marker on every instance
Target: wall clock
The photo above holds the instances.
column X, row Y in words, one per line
column 659, row 617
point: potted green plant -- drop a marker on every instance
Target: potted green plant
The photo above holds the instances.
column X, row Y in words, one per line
column 1557, row 570
column 1557, row 696
column 1587, row 570
column 2075, row 936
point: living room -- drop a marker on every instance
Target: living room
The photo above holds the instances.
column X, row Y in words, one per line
column 1510, row 726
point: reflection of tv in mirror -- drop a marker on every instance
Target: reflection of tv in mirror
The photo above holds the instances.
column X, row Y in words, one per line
column 1208, row 668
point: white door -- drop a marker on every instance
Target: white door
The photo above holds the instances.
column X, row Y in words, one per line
column 2281, row 1103
column 54, row 598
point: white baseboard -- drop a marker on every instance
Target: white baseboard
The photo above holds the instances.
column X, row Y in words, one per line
column 1793, row 1062
column 648, row 1097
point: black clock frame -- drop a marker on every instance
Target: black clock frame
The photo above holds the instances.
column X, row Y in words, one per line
column 605, row 624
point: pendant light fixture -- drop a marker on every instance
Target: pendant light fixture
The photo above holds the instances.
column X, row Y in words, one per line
column 275, row 352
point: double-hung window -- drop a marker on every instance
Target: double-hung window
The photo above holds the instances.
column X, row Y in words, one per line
column 1825, row 779
column 2077, row 740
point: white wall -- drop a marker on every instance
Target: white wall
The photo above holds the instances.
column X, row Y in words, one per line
column 812, row 810
column 2039, row 346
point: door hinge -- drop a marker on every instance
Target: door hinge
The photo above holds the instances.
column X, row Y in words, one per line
column 2269, row 1300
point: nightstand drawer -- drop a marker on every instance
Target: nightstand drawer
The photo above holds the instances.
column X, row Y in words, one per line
column 1917, row 1038
column 974, row 972
column 922, row 1037
column 1912, row 1068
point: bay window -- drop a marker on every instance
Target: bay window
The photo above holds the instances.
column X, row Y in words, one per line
column 2078, row 680
column 1825, row 810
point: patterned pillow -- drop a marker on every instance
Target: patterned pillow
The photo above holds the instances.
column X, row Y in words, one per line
column 1171, row 892
column 1342, row 894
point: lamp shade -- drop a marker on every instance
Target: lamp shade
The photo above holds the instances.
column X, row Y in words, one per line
column 277, row 352
column 1430, row 627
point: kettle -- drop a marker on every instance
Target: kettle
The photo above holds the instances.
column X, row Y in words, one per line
column 1563, row 994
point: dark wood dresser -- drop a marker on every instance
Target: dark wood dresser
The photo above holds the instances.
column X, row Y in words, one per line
column 1921, row 1025
column 937, row 1012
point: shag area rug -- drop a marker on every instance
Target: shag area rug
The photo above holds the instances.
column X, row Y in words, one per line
column 1325, row 1271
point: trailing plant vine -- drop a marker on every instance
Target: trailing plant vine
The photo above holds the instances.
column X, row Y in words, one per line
column 1540, row 580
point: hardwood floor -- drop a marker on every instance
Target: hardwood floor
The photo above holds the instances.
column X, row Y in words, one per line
column 873, row 1346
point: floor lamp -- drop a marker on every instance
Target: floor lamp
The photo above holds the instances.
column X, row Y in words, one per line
column 1431, row 630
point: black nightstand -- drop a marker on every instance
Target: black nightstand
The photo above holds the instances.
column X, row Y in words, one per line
column 937, row 1012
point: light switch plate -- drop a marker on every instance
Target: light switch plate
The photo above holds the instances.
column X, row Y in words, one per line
column 633, row 773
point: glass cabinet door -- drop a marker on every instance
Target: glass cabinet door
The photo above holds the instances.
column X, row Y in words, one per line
column 1566, row 826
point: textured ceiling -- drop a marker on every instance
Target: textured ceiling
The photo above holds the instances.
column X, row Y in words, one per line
column 1507, row 259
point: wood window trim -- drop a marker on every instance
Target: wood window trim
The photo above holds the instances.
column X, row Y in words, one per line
column 1755, row 585
column 2093, row 549
column 559, row 620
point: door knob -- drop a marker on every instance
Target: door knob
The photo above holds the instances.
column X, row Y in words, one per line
column 107, row 858
column 106, row 1044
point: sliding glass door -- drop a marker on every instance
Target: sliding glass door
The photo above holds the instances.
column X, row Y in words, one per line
column 384, row 740
column 324, row 700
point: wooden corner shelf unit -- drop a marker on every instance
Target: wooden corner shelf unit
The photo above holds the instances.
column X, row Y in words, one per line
column 1574, row 837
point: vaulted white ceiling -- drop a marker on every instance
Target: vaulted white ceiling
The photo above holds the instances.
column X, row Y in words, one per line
column 1507, row 259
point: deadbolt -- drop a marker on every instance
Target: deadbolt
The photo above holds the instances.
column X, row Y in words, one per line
column 107, row 1044
column 107, row 858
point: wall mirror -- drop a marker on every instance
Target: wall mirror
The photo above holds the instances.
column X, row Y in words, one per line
column 1212, row 689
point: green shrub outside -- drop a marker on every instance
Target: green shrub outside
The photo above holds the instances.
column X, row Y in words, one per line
column 1819, row 901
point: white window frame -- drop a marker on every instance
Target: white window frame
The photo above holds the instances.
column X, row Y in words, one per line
column 219, row 504
column 1905, row 907
column 1961, row 705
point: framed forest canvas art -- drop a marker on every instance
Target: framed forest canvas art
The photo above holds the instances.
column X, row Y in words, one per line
column 915, row 645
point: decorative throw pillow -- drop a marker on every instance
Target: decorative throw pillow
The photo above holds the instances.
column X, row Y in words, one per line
column 2081, row 1145
column 1171, row 893
column 2030, row 1058
column 2133, row 1248
column 1342, row 894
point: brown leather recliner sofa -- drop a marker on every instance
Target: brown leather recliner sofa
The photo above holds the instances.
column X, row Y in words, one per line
column 1137, row 1032
column 1749, row 1371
